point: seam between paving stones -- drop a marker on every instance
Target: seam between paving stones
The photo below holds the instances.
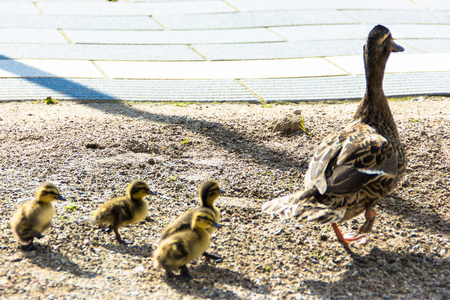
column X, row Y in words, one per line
column 100, row 69
column 255, row 94
column 38, row 8
column 159, row 23
column 337, row 66
column 64, row 35
column 231, row 5
column 197, row 52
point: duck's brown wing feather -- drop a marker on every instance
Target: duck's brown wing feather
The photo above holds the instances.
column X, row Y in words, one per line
column 345, row 163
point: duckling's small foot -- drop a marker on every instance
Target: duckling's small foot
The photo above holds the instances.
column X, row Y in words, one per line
column 109, row 229
column 118, row 238
column 120, row 241
column 33, row 233
column 184, row 273
column 349, row 238
column 215, row 258
column 29, row 247
column 169, row 273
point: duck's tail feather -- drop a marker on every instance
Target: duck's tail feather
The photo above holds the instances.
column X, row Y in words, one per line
column 304, row 206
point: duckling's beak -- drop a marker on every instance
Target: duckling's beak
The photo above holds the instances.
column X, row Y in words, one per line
column 398, row 48
column 223, row 192
column 151, row 193
column 215, row 224
column 61, row 198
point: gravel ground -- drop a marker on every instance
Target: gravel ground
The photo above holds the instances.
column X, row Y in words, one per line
column 92, row 150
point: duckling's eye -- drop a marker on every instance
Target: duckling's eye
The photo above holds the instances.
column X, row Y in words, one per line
column 214, row 190
column 206, row 219
column 49, row 193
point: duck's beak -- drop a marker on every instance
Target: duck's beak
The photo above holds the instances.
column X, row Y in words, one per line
column 151, row 193
column 222, row 192
column 61, row 198
column 398, row 48
column 215, row 224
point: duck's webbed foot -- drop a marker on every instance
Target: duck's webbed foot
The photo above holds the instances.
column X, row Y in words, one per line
column 109, row 229
column 215, row 258
column 32, row 233
column 29, row 247
column 118, row 238
column 184, row 273
column 349, row 238
column 169, row 273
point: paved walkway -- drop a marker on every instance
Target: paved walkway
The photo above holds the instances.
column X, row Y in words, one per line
column 213, row 50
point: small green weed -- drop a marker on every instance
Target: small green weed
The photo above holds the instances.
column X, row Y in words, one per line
column 266, row 173
column 181, row 104
column 302, row 126
column 49, row 100
column 267, row 105
column 72, row 207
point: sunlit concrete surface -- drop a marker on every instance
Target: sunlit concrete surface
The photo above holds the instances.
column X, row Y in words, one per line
column 213, row 50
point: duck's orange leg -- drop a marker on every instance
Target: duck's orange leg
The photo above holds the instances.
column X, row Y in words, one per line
column 370, row 219
column 349, row 238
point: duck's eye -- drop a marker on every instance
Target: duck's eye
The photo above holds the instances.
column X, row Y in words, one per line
column 49, row 193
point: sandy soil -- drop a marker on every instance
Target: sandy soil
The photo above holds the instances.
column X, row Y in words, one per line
column 92, row 150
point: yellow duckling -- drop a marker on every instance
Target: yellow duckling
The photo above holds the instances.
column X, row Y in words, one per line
column 185, row 245
column 208, row 193
column 124, row 210
column 34, row 217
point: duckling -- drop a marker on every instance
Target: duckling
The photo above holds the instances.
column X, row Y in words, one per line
column 353, row 169
column 185, row 245
column 34, row 217
column 124, row 210
column 208, row 193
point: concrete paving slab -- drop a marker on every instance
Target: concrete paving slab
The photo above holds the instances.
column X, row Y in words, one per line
column 280, row 50
column 12, row 7
column 100, row 52
column 269, row 5
column 399, row 16
column 427, row 45
column 48, row 36
column 337, row 32
column 134, row 9
column 300, row 50
column 434, row 4
column 347, row 87
column 253, row 19
column 172, row 37
column 133, row 90
column 400, row 63
column 48, row 68
column 324, row 32
column 79, row 22
column 305, row 67
column 417, row 31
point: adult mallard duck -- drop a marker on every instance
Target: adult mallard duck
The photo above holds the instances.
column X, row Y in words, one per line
column 356, row 167
column 34, row 217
